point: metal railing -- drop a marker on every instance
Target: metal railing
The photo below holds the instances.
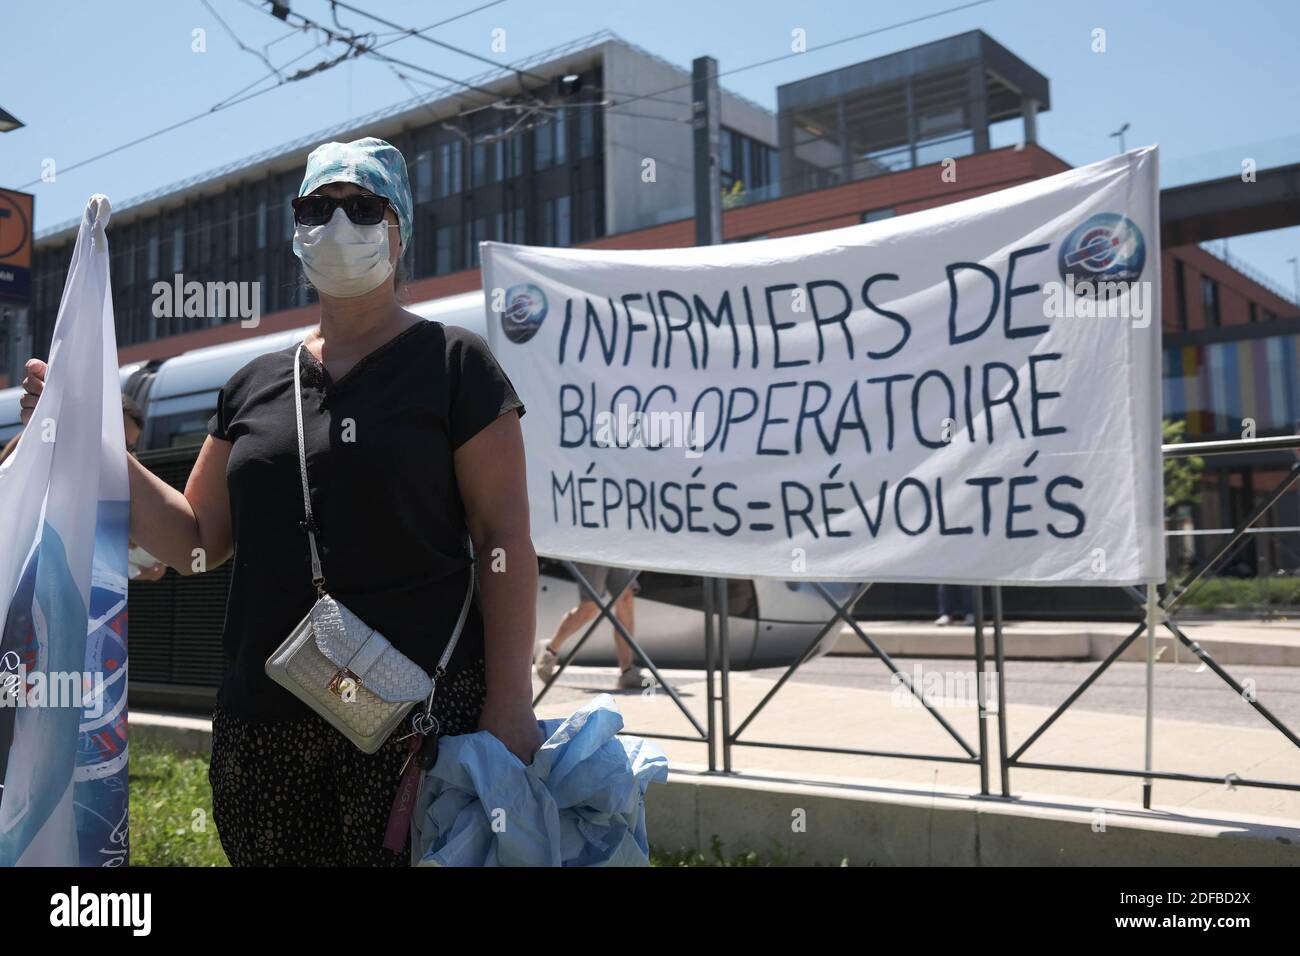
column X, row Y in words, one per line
column 1158, row 612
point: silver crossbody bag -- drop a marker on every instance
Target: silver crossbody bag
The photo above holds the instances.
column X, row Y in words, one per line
column 341, row 667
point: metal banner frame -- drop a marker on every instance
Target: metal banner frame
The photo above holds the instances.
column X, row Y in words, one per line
column 1157, row 612
column 842, row 612
column 706, row 734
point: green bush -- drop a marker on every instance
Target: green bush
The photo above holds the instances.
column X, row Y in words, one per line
column 1212, row 593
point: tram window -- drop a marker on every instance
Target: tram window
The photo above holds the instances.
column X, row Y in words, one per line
column 178, row 431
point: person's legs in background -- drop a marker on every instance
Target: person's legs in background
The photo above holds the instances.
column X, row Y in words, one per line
column 945, row 602
column 604, row 581
column 630, row 676
column 574, row 620
column 955, row 603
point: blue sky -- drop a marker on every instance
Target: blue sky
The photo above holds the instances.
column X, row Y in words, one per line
column 1211, row 82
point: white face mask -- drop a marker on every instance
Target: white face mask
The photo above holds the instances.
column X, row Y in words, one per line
column 342, row 259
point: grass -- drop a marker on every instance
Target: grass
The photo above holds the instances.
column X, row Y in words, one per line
column 171, row 809
column 171, row 819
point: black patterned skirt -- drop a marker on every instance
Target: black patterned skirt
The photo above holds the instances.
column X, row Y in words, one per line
column 299, row 793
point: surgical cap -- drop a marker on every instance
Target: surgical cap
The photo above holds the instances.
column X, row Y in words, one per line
column 369, row 163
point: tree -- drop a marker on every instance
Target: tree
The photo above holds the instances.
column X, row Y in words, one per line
column 1182, row 475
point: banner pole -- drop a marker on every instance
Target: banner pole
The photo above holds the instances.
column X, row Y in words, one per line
column 710, row 664
column 1000, row 663
column 981, row 698
column 724, row 646
column 1152, row 615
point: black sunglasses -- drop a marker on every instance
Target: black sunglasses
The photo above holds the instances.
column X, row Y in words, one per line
column 318, row 210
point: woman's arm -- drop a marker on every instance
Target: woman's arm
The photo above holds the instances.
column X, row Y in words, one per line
column 491, row 478
column 189, row 532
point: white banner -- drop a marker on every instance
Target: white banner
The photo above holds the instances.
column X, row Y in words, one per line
column 64, row 517
column 967, row 394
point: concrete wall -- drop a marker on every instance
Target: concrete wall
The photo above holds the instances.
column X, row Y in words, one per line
column 867, row 826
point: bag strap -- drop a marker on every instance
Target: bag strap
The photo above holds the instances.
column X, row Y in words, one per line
column 425, row 717
column 309, row 525
column 460, row 623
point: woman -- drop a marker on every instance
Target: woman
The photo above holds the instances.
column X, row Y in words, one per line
column 413, row 439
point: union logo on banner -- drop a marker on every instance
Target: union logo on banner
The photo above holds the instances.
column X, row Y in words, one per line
column 1107, row 247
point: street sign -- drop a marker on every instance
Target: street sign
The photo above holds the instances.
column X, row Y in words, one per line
column 16, row 245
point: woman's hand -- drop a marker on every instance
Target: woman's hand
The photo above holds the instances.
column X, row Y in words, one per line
column 33, row 385
column 514, row 724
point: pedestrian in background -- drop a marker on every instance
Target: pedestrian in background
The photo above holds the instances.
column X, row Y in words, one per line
column 605, row 581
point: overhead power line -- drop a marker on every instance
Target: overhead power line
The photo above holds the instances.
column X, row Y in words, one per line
column 236, row 99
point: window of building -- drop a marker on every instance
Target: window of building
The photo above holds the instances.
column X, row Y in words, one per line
column 563, row 221
column 547, row 237
column 449, row 169
column 424, row 175
column 442, row 258
column 476, row 235
column 561, row 136
column 261, row 224
column 515, row 146
column 479, row 164
column 1180, row 294
column 586, row 130
column 875, row 215
column 1254, row 312
column 497, row 150
column 1210, row 296
column 543, row 144
column 178, row 248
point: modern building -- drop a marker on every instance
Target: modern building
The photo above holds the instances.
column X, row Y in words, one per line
column 907, row 109
column 1232, row 370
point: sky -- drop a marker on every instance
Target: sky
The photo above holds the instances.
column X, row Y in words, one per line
column 1212, row 83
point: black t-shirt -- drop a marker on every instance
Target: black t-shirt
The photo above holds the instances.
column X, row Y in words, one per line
column 392, row 533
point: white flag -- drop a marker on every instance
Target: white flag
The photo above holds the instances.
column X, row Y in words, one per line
column 64, row 520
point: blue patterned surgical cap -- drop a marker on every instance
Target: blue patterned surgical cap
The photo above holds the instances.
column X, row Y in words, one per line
column 369, row 163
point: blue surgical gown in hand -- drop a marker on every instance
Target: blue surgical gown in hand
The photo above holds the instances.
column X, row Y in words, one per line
column 580, row 803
